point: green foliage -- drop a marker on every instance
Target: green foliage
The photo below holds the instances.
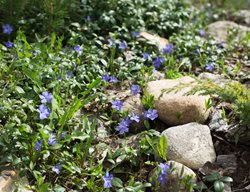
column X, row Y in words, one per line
column 235, row 93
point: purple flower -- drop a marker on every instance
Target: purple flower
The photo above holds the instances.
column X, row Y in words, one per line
column 150, row 114
column 145, row 56
column 122, row 46
column 9, row 44
column 44, row 112
column 69, row 74
column 165, row 169
column 158, row 61
column 202, row 33
column 89, row 18
column 135, row 34
column 52, row 139
column 135, row 89
column 134, row 117
column 168, row 49
column 57, row 168
column 7, row 28
column 113, row 79
column 111, row 43
column 38, row 145
column 117, row 104
column 209, row 67
column 46, row 97
column 123, row 126
column 105, row 77
column 63, row 135
column 107, row 178
column 77, row 48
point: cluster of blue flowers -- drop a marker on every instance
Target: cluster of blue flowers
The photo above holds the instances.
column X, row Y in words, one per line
column 121, row 45
column 164, row 170
column 7, row 29
column 44, row 111
column 108, row 78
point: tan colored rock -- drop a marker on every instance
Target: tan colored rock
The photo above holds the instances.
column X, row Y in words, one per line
column 174, row 178
column 219, row 30
column 173, row 105
column 190, row 144
column 134, row 104
column 159, row 41
column 10, row 181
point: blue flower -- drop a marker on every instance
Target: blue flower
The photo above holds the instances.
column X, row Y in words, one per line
column 134, row 117
column 145, row 56
column 135, row 34
column 77, row 48
column 168, row 49
column 105, row 77
column 9, row 44
column 57, row 168
column 46, row 97
column 113, row 79
column 123, row 126
column 107, row 178
column 150, row 114
column 69, row 74
column 117, row 104
column 52, row 140
column 209, row 67
column 122, row 46
column 63, row 135
column 89, row 18
column 44, row 112
column 38, row 145
column 111, row 43
column 7, row 28
column 202, row 33
column 164, row 170
column 135, row 89
column 158, row 61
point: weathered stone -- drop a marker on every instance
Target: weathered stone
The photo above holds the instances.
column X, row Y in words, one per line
column 173, row 179
column 219, row 30
column 159, row 41
column 238, row 131
column 134, row 104
column 243, row 16
column 217, row 123
column 190, row 144
column 10, row 181
column 215, row 78
column 173, row 104
column 228, row 163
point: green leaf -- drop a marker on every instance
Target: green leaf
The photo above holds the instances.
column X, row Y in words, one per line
column 218, row 186
column 212, row 177
column 55, row 146
column 19, row 90
column 116, row 182
column 226, row 179
column 162, row 147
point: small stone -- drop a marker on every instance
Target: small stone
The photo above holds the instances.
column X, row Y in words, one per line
column 190, row 144
column 219, row 30
column 228, row 163
column 173, row 104
column 217, row 123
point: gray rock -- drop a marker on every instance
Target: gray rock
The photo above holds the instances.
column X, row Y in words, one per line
column 190, row 144
column 243, row 15
column 219, row 30
column 238, row 134
column 228, row 163
column 173, row 104
column 217, row 123
column 216, row 78
column 173, row 179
